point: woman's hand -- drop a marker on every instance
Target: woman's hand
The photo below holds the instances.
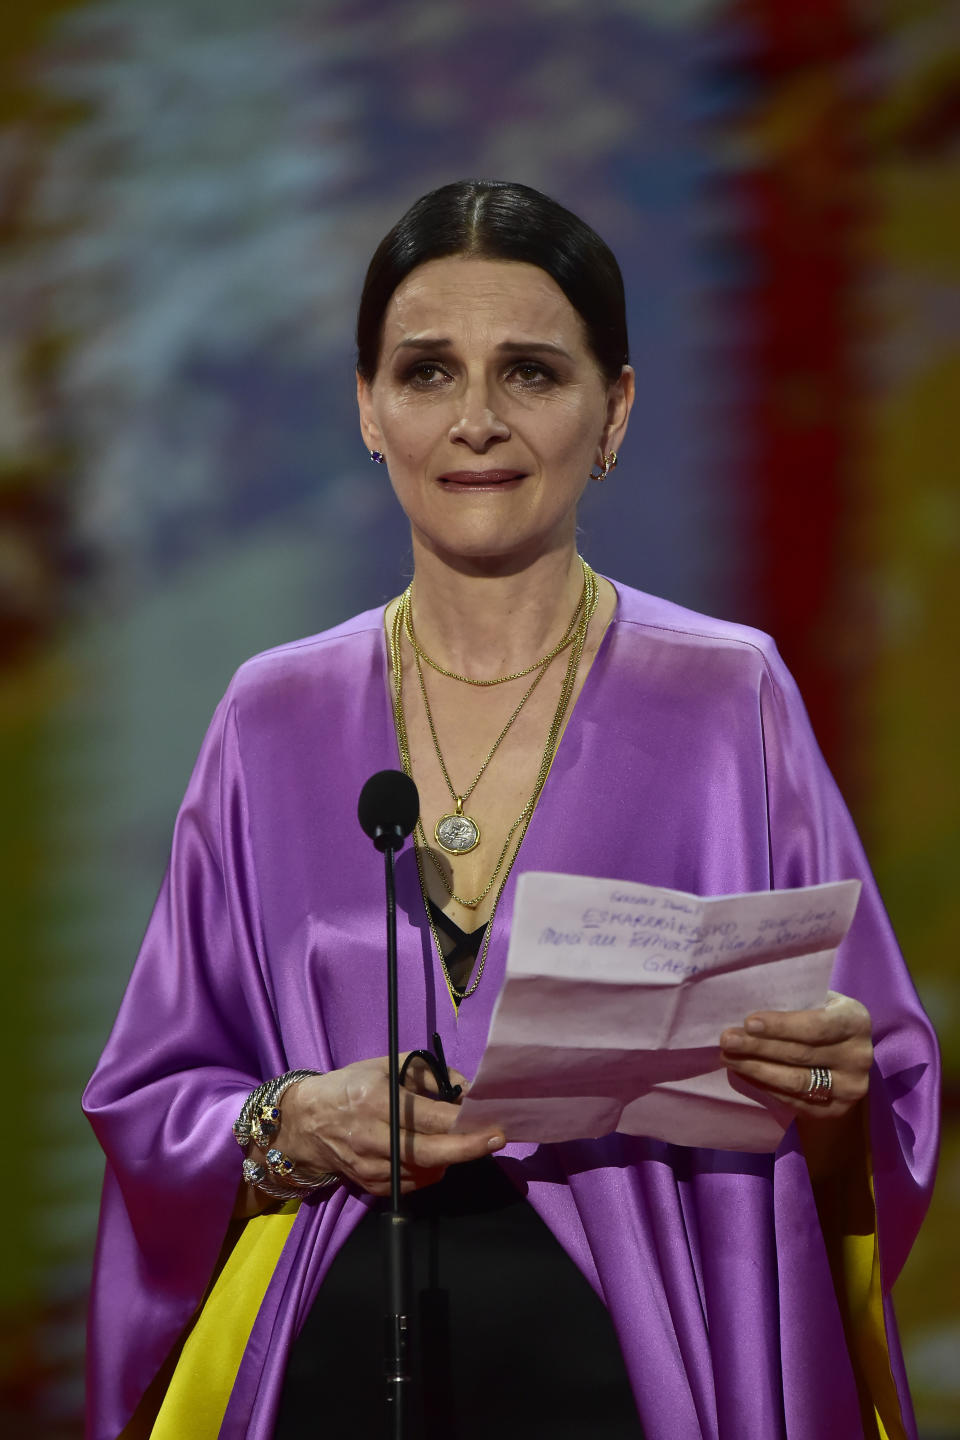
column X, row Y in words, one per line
column 776, row 1050
column 341, row 1122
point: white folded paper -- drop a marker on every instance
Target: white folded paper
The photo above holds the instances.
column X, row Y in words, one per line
column 615, row 996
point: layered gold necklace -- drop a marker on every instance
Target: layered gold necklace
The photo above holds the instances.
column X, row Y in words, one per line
column 456, row 832
column 565, row 640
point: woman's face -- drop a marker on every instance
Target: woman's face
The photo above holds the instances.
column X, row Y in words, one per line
column 489, row 407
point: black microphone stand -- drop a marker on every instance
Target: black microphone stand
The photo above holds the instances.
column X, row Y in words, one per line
column 387, row 811
column 396, row 1239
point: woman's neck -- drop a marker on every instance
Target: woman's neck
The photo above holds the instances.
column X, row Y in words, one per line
column 485, row 621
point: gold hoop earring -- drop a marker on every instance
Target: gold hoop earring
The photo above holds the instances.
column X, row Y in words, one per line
column 607, row 463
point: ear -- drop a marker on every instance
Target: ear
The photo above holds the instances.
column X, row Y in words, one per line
column 369, row 429
column 620, row 396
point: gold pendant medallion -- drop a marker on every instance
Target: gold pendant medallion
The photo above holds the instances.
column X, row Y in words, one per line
column 457, row 833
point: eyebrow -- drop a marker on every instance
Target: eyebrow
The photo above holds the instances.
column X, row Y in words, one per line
column 507, row 347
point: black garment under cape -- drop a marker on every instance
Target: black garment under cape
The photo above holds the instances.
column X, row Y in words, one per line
column 509, row 1338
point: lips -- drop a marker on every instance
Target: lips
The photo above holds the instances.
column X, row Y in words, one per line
column 480, row 479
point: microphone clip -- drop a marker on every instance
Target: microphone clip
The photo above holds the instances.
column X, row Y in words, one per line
column 437, row 1065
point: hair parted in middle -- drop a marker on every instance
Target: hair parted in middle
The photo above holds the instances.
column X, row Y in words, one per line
column 500, row 220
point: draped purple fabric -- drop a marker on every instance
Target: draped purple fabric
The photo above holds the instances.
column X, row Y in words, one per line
column 688, row 762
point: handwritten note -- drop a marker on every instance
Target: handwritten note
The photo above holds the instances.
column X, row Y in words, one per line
column 614, row 998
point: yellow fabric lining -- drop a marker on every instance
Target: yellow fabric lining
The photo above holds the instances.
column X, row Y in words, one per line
column 197, row 1396
column 846, row 1203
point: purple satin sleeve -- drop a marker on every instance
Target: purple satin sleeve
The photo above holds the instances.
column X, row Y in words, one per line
column 812, row 839
column 812, row 835
column 195, row 1033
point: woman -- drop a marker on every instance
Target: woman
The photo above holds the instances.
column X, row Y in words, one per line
column 748, row 1294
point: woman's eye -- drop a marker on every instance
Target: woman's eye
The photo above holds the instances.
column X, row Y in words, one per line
column 532, row 373
column 426, row 373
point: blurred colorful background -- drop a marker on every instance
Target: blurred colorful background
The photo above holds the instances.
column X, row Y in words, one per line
column 189, row 191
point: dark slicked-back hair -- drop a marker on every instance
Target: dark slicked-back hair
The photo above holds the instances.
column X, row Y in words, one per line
column 498, row 220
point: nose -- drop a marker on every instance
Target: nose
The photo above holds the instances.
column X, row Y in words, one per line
column 479, row 425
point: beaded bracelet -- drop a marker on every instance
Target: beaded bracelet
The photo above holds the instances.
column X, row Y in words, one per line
column 259, row 1121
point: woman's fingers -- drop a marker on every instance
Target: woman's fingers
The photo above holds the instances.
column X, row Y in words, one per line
column 853, row 1049
column 778, row 1050
column 425, row 1152
column 835, row 1022
column 792, row 1082
column 364, row 1157
column 837, row 1033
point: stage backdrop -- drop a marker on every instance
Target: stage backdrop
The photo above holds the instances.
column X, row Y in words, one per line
column 188, row 194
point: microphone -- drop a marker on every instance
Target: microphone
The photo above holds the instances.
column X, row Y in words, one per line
column 388, row 808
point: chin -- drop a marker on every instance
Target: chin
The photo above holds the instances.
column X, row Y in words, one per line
column 474, row 540
column 490, row 551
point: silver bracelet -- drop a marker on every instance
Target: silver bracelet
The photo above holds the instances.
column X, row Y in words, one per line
column 292, row 1186
column 259, row 1121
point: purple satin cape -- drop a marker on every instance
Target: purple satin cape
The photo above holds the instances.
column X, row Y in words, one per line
column 688, row 762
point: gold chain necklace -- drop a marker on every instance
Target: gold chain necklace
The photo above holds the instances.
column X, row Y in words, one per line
column 455, row 832
column 586, row 614
column 566, row 639
column 589, row 604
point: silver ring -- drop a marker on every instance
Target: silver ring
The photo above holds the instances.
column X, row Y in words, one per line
column 821, row 1085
